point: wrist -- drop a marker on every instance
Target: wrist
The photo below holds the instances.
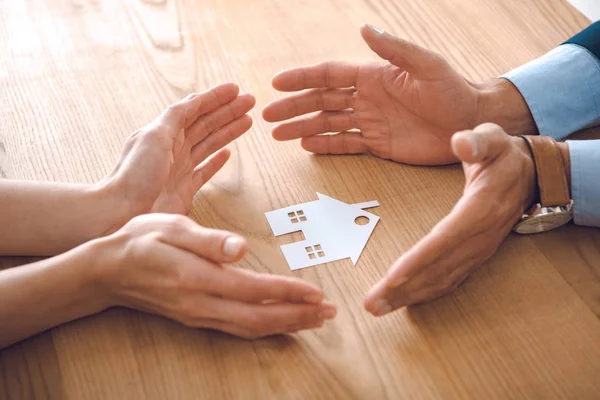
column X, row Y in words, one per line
column 88, row 266
column 111, row 205
column 109, row 253
column 103, row 259
column 500, row 102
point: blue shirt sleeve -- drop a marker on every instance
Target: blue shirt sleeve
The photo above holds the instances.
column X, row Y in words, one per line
column 562, row 90
column 585, row 181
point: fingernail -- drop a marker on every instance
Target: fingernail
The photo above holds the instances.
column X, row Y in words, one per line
column 313, row 298
column 381, row 307
column 233, row 246
column 327, row 314
column 473, row 139
column 394, row 283
column 377, row 30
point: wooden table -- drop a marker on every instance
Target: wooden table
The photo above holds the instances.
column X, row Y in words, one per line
column 77, row 76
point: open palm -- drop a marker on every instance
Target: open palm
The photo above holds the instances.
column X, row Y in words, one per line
column 406, row 111
column 165, row 163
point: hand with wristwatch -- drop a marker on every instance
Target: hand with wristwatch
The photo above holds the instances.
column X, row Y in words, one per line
column 516, row 181
column 513, row 183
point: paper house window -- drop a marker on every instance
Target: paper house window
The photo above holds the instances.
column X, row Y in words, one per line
column 297, row 216
column 315, row 251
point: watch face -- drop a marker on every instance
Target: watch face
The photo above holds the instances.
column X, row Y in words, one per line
column 543, row 222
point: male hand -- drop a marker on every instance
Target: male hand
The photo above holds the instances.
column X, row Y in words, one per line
column 171, row 266
column 500, row 185
column 405, row 111
column 164, row 164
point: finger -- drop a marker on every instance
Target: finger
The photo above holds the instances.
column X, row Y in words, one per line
column 450, row 233
column 223, row 326
column 406, row 55
column 247, row 333
column 220, row 117
column 322, row 122
column 332, row 74
column 340, row 143
column 185, row 112
column 209, row 167
column 428, row 284
column 221, row 137
column 310, row 101
column 426, row 289
column 483, row 143
column 454, row 231
column 251, row 287
column 211, row 244
column 268, row 319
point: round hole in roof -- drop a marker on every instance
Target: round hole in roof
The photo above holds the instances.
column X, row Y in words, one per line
column 361, row 220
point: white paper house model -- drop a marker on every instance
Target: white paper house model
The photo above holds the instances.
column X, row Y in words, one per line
column 331, row 229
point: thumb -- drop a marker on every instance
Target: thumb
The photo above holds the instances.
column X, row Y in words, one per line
column 212, row 244
column 402, row 53
column 483, row 143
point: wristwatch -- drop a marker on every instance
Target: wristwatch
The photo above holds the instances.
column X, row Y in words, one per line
column 555, row 206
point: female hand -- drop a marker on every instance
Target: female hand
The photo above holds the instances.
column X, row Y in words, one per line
column 405, row 111
column 169, row 265
column 164, row 164
column 161, row 167
column 500, row 185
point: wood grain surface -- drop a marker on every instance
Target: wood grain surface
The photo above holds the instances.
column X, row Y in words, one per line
column 76, row 76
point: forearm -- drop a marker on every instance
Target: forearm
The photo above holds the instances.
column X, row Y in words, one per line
column 46, row 218
column 42, row 295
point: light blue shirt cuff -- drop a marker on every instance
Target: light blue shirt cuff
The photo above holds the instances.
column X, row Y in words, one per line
column 562, row 90
column 585, row 181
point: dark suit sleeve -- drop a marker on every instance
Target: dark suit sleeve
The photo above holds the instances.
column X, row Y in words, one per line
column 588, row 38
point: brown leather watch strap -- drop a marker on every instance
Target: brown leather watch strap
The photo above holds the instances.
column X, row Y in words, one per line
column 550, row 169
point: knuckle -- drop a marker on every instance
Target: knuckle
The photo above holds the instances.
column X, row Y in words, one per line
column 320, row 98
column 139, row 247
column 172, row 117
column 174, row 224
column 174, row 112
column 327, row 121
column 352, row 100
